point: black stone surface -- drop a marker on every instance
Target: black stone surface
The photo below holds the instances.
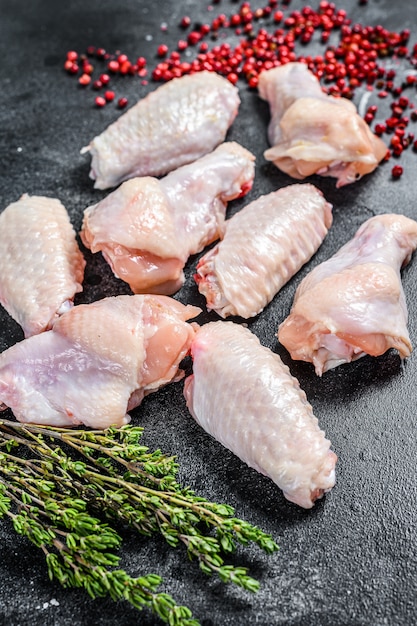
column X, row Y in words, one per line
column 352, row 560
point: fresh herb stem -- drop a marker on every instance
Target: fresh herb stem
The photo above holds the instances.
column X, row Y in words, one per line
column 75, row 483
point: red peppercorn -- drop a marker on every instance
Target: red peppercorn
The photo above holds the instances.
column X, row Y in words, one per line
column 185, row 21
column 380, row 129
column 122, row 103
column 235, row 20
column 104, row 79
column 113, row 66
column 109, row 95
column 397, row 111
column 100, row 101
column 72, row 55
column 162, row 50
column 182, row 45
column 84, row 80
column 73, row 69
column 125, row 68
column 97, row 84
column 403, row 102
column 87, row 68
column 193, row 38
column 397, row 171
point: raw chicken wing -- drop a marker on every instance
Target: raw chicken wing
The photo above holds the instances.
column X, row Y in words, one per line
column 176, row 124
column 147, row 228
column 41, row 266
column 354, row 303
column 313, row 133
column 243, row 395
column 97, row 362
column 264, row 245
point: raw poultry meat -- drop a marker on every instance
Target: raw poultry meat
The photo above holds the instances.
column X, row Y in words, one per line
column 264, row 245
column 313, row 133
column 97, row 362
column 243, row 395
column 41, row 266
column 176, row 124
column 353, row 304
column 147, row 228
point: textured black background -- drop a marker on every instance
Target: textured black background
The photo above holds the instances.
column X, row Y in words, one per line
column 350, row 561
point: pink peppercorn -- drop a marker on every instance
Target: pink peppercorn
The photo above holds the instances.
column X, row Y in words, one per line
column 84, row 80
column 109, row 95
column 397, row 171
column 162, row 50
column 100, row 101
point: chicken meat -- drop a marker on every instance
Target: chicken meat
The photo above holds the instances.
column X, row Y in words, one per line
column 41, row 266
column 243, row 395
column 147, row 228
column 313, row 133
column 354, row 304
column 97, row 362
column 264, row 245
column 176, row 124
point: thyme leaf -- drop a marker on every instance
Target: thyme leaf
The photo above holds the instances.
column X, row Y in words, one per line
column 66, row 490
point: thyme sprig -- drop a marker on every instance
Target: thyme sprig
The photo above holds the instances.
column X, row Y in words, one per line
column 68, row 486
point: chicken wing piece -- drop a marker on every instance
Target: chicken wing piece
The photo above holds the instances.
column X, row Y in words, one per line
column 243, row 395
column 313, row 133
column 176, row 124
column 264, row 245
column 147, row 228
column 97, row 362
column 353, row 304
column 41, row 266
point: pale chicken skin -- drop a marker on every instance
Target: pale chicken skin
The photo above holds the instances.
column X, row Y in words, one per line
column 147, row 228
column 97, row 362
column 354, row 304
column 176, row 124
column 41, row 265
column 264, row 245
column 243, row 395
column 313, row 133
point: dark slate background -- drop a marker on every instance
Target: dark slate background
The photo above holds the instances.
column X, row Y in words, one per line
column 350, row 561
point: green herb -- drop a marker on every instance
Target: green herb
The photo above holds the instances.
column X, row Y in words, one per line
column 62, row 488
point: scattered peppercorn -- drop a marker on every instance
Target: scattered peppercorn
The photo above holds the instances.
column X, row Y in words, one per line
column 162, row 50
column 353, row 60
column 113, row 66
column 84, row 80
column 100, row 101
column 397, row 171
column 109, row 95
